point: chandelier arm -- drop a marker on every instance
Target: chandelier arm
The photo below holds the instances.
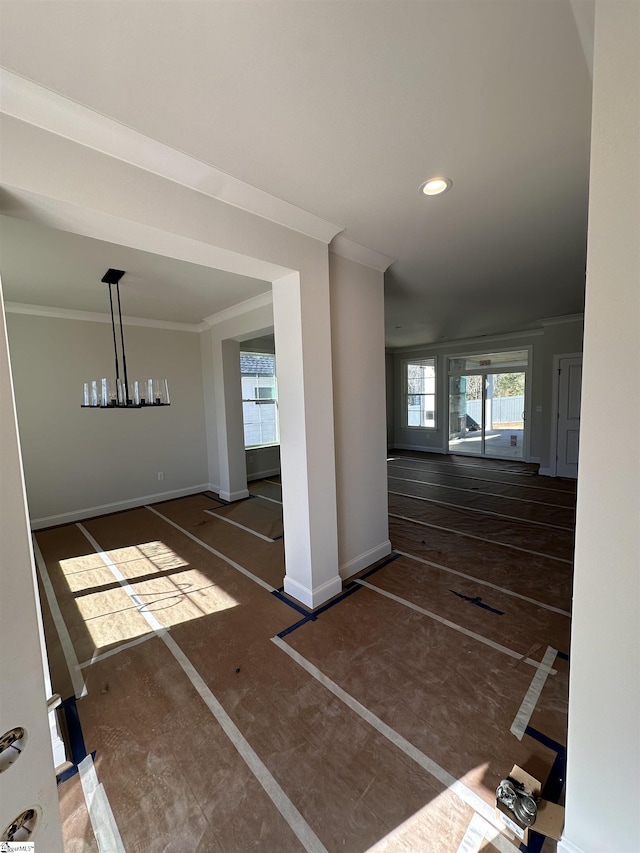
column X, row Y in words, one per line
column 124, row 357
column 113, row 327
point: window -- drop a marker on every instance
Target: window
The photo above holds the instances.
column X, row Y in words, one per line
column 259, row 399
column 420, row 393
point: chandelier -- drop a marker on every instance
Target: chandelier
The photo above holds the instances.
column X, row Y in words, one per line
column 119, row 393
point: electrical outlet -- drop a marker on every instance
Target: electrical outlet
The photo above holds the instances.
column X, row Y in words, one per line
column 161, row 475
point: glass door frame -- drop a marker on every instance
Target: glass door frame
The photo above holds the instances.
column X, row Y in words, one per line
column 485, row 371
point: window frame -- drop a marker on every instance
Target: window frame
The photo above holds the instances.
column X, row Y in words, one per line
column 261, row 401
column 430, row 361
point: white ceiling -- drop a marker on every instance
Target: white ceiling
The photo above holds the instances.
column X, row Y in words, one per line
column 66, row 271
column 342, row 109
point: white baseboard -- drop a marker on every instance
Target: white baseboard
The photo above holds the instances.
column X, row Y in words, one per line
column 118, row 506
column 546, row 472
column 362, row 561
column 260, row 475
column 230, row 497
column 212, row 487
column 419, row 447
column 534, row 459
column 57, row 744
column 313, row 597
column 566, row 846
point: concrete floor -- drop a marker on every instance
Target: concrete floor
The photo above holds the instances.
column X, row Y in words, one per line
column 502, row 443
column 218, row 715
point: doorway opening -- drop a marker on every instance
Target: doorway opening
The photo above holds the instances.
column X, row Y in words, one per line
column 488, row 404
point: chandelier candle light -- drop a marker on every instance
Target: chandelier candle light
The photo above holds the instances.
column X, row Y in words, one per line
column 118, row 393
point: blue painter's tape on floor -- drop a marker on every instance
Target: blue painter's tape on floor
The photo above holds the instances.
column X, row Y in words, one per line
column 279, row 594
column 390, row 559
column 74, row 728
column 349, row 590
column 76, row 738
column 545, row 740
column 211, row 498
column 71, row 772
column 478, row 602
column 295, row 626
column 552, row 788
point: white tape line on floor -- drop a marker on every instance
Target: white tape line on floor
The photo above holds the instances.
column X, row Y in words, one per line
column 265, row 498
column 298, row 824
column 474, row 490
column 484, row 479
column 532, row 695
column 237, row 524
column 481, row 511
column 484, row 583
column 282, row 802
column 480, row 538
column 102, row 820
column 477, row 832
column 141, row 606
column 472, row 634
column 79, row 687
column 446, row 779
column 121, row 648
column 213, row 551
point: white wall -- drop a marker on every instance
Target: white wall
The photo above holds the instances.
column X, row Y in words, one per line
column 603, row 779
column 359, row 399
column 80, row 461
column 30, row 781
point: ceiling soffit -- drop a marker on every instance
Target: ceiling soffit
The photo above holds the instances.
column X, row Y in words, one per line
column 27, row 101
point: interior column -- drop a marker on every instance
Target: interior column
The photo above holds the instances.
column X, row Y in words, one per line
column 230, row 429
column 302, row 326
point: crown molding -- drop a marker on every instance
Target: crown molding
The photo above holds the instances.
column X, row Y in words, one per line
column 346, row 248
column 262, row 300
column 96, row 317
column 566, row 318
column 472, row 342
column 34, row 104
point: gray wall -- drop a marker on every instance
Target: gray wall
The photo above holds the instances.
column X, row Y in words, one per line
column 389, row 376
column 79, row 460
column 357, row 349
column 263, row 462
column 550, row 339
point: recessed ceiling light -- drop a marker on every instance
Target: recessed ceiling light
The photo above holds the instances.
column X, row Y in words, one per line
column 436, row 186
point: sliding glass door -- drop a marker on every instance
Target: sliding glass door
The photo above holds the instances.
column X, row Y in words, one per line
column 465, row 401
column 487, row 404
column 504, row 415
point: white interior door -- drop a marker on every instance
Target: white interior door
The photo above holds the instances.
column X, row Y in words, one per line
column 569, row 387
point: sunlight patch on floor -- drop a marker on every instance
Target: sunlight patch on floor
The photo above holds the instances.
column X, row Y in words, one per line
column 168, row 587
column 436, row 819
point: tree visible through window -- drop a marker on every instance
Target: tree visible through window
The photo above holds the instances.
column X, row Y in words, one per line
column 420, row 392
column 259, row 399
